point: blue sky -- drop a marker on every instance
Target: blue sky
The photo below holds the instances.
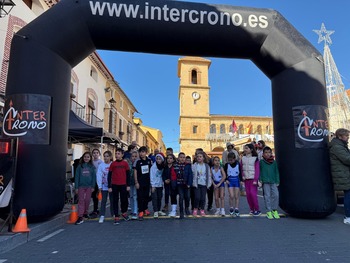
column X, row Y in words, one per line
column 154, row 91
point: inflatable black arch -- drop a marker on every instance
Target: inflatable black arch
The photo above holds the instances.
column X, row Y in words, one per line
column 44, row 52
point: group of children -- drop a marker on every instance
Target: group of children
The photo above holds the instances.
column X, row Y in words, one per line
column 141, row 180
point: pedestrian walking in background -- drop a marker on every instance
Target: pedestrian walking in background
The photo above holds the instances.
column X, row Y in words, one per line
column 102, row 183
column 85, row 180
column 201, row 182
column 133, row 191
column 119, row 185
column 270, row 179
column 340, row 167
column 142, row 169
column 157, row 185
column 219, row 177
column 94, row 195
column 250, row 175
column 233, row 178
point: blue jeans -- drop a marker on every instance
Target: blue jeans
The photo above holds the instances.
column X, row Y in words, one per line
column 347, row 202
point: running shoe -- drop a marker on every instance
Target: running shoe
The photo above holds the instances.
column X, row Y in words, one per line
column 275, row 214
column 79, row 221
column 133, row 217
column 141, row 216
column 161, row 213
column 269, row 215
column 147, row 213
column 155, row 215
column 256, row 213
column 116, row 220
column 231, row 211
column 125, row 217
column 195, row 212
column 102, row 218
column 202, row 213
column 237, row 212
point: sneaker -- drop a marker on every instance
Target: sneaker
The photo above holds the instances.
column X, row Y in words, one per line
column 165, row 208
column 116, row 220
column 86, row 216
column 275, row 214
column 172, row 214
column 251, row 212
column 209, row 208
column 182, row 216
column 125, row 217
column 93, row 214
column 79, row 221
column 147, row 213
column 222, row 213
column 160, row 213
column 133, row 217
column 347, row 220
column 256, row 213
column 231, row 211
column 102, row 218
column 217, row 212
column 269, row 215
column 155, row 215
column 195, row 212
column 237, row 212
column 202, row 213
column 187, row 211
column 141, row 216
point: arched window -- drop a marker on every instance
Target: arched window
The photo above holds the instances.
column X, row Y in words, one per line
column 230, row 128
column 194, row 76
column 195, row 129
column 212, row 128
column 222, row 128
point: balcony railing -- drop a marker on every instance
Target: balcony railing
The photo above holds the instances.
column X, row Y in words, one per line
column 91, row 118
column 78, row 109
column 220, row 137
column 94, row 120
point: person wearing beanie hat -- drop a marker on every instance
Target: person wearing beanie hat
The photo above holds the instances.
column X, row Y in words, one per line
column 161, row 155
column 157, row 184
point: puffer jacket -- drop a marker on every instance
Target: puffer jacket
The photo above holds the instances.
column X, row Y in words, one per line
column 340, row 164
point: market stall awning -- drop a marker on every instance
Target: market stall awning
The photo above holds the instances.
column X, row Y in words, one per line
column 81, row 132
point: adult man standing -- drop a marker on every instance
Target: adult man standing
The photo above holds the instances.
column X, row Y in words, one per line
column 340, row 167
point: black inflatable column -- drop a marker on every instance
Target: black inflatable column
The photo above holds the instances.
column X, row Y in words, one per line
column 306, row 187
column 40, row 178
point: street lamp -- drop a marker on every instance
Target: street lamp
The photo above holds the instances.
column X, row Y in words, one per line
column 6, row 7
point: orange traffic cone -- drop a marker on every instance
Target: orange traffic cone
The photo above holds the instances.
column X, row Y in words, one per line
column 99, row 196
column 21, row 224
column 73, row 217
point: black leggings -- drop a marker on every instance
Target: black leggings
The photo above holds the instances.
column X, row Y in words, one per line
column 200, row 192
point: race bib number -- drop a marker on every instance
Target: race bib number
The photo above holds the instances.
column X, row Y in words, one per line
column 145, row 169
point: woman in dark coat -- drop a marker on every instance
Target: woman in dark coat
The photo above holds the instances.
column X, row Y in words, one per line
column 340, row 167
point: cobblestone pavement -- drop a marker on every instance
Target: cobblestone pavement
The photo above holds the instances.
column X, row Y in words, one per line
column 210, row 239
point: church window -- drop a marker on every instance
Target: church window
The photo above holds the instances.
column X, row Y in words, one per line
column 194, row 76
column 213, row 128
column 195, row 129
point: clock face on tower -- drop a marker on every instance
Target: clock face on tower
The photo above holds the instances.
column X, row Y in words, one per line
column 195, row 95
